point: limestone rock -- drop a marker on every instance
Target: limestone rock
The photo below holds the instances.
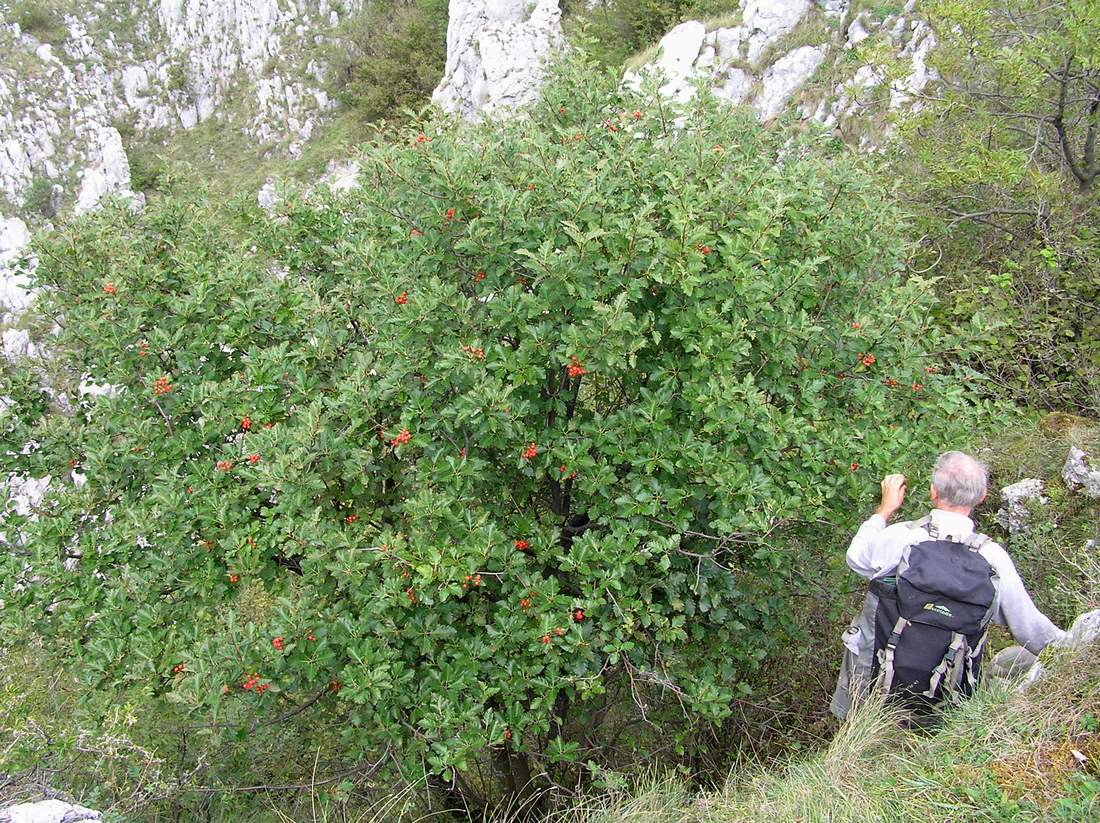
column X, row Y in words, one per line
column 15, row 291
column 496, row 53
column 768, row 20
column 1014, row 514
column 785, row 77
column 1079, row 473
column 48, row 811
column 109, row 172
column 1084, row 631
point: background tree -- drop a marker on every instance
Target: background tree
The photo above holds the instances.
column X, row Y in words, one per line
column 1003, row 162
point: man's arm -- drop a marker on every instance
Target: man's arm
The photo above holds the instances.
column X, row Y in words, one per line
column 1032, row 629
column 868, row 554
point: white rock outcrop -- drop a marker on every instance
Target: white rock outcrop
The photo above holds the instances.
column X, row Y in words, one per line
column 1014, row 516
column 785, row 77
column 765, row 61
column 1079, row 473
column 15, row 292
column 48, row 811
column 497, row 51
column 178, row 65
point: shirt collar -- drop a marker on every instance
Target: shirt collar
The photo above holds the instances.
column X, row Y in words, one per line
column 950, row 523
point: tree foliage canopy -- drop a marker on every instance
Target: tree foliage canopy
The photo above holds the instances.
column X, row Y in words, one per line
column 526, row 416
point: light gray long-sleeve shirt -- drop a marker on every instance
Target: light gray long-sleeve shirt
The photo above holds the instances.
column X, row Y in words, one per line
column 877, row 548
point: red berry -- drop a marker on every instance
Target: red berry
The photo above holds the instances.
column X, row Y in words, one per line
column 931, row 369
column 246, row 423
column 868, row 360
column 917, row 387
column 161, row 386
column 546, row 638
column 402, row 298
column 522, row 545
column 507, row 734
column 253, row 459
column 450, row 215
column 234, row 578
column 110, row 288
column 223, row 465
column 578, row 615
column 479, row 277
column 854, row 466
column 351, row 518
column 416, row 233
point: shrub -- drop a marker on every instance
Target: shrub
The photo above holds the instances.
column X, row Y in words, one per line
column 1002, row 166
column 391, row 55
column 43, row 19
column 522, row 422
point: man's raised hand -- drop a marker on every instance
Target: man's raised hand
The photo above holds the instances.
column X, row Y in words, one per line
column 893, row 495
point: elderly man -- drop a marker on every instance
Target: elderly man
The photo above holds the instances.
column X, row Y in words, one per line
column 935, row 586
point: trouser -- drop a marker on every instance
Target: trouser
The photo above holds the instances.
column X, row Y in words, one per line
column 854, row 681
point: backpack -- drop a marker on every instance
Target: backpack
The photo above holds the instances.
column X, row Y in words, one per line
column 932, row 620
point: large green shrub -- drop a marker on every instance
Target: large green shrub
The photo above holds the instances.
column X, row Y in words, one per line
column 526, row 419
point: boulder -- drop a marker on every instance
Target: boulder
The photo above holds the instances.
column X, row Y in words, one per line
column 1015, row 513
column 497, row 52
column 1079, row 473
column 768, row 20
column 1084, row 631
column 108, row 174
column 784, row 78
column 48, row 811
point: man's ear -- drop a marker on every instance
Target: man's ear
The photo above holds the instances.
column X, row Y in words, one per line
column 985, row 494
column 932, row 492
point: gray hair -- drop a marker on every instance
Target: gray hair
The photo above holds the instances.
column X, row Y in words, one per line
column 959, row 479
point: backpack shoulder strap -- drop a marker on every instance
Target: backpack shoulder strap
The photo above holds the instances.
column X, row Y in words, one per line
column 977, row 540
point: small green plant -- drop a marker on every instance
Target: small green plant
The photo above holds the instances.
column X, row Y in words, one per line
column 39, row 199
column 43, row 19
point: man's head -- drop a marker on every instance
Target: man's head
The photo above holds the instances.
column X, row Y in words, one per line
column 958, row 482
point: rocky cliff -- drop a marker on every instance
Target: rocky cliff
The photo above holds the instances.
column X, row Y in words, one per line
column 76, row 75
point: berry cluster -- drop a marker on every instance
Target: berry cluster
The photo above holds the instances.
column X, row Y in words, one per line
column 253, row 459
column 161, row 386
column 522, row 545
column 143, row 348
column 450, row 214
column 401, row 438
column 704, row 250
column 423, row 138
column 402, row 298
column 890, row 383
column 546, row 639
column 223, row 465
column 866, row 359
column 416, row 233
column 718, row 149
column 310, row 636
column 637, row 115
column 471, row 580
column 531, row 187
column 917, row 387
column 576, row 367
column 351, row 518
column 411, row 594
column 208, row 544
column 854, row 467
column 110, row 288
column 578, row 615
column 857, row 325
column 234, row 578
column 931, row 369
column 564, row 468
column 277, row 642
column 252, row 683
column 246, row 423
column 179, row 667
column 476, row 352
column 479, row 277
column 531, row 451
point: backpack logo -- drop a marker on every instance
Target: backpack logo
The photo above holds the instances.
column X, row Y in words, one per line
column 939, row 608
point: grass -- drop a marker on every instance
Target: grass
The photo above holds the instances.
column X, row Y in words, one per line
column 1001, row 756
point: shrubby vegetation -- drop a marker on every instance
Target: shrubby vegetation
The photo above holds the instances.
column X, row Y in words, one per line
column 390, row 55
column 484, row 464
column 1003, row 167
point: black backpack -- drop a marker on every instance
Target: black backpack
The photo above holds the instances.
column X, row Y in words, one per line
column 932, row 620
